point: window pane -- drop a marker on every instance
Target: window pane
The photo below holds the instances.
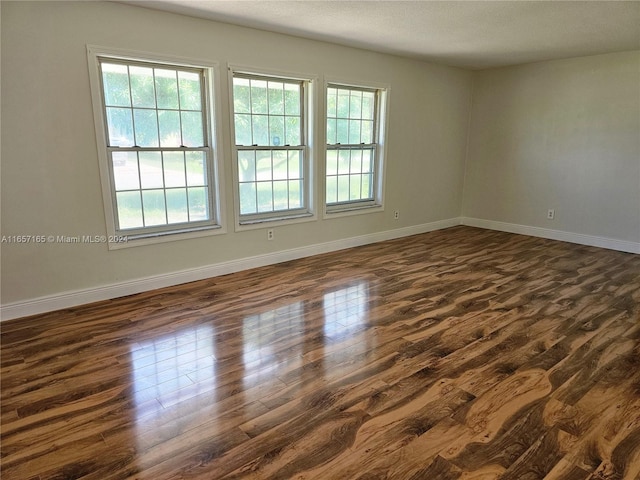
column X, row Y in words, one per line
column 342, row 131
column 263, row 165
column 169, row 123
column 355, row 105
column 280, row 195
column 276, row 98
column 293, row 131
column 354, row 131
column 151, row 169
column 276, row 131
column 343, row 188
column 367, row 131
column 166, row 88
column 332, row 162
column 247, row 165
column 192, row 129
column 174, row 169
column 248, row 198
column 295, row 194
column 259, row 96
column 344, row 162
column 295, row 164
column 198, row 205
column 343, row 104
column 177, row 205
column 356, row 182
column 142, row 89
column 129, row 210
column 332, row 189
column 125, row 170
column 115, row 79
column 332, row 94
column 265, row 197
column 291, row 99
column 367, row 186
column 260, row 129
column 367, row 158
column 120, row 127
column 331, row 131
column 280, row 165
column 241, row 96
column 154, row 208
column 196, row 168
column 243, row 129
column 368, row 103
column 356, row 161
column 190, row 98
column 146, row 124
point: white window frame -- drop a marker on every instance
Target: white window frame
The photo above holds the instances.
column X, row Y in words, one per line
column 281, row 217
column 376, row 204
column 124, row 238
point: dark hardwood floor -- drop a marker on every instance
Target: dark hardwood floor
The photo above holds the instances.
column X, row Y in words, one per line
column 457, row 354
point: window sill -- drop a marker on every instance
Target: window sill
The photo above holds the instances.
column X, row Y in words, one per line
column 274, row 222
column 349, row 210
column 154, row 238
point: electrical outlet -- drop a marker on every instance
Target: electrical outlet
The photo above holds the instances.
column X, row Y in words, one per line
column 551, row 214
column 270, row 234
column 396, row 215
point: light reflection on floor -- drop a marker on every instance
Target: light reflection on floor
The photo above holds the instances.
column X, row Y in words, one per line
column 260, row 332
column 345, row 310
column 171, row 369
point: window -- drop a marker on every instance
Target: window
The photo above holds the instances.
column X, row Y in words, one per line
column 159, row 161
column 353, row 155
column 271, row 147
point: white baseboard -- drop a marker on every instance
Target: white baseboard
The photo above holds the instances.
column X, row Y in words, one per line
column 591, row 240
column 80, row 297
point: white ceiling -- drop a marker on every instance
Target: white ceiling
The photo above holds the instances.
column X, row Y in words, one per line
column 470, row 34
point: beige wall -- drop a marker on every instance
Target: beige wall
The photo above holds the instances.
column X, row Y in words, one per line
column 560, row 134
column 50, row 176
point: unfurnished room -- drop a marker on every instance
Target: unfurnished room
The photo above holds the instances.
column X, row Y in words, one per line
column 320, row 240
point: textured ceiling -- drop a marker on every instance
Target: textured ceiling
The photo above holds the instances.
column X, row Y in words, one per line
column 470, row 34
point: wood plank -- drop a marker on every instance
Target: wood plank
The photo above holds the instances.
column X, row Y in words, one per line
column 457, row 354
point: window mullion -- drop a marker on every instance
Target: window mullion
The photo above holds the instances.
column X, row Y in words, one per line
column 179, row 115
column 133, row 117
column 273, row 195
column 140, row 184
column 375, row 107
column 204, row 107
column 349, row 172
column 361, row 105
column 166, row 210
column 361, row 161
column 186, row 185
column 303, row 127
column 255, row 176
column 288, row 180
column 269, row 123
column 164, row 187
column 251, row 120
column 155, row 99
